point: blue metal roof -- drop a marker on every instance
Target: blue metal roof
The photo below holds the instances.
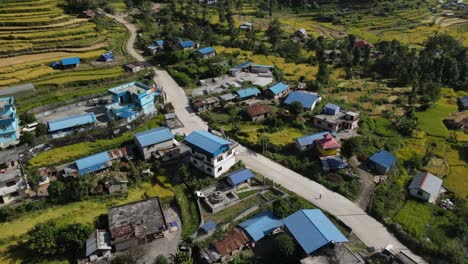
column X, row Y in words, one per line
column 55, row 64
column 278, row 88
column 107, row 56
column 70, row 122
column 260, row 225
column 244, row 65
column 209, row 226
column 336, row 162
column 306, row 99
column 92, row 161
column 263, row 66
column 207, row 142
column 247, row 92
column 309, row 139
column 206, row 50
column 384, row 158
column 240, row 176
column 154, row 136
column 159, row 42
column 70, row 61
column 186, row 43
column 331, row 109
column 127, row 114
column 312, row 229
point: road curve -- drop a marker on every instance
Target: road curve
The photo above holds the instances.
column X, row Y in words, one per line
column 366, row 228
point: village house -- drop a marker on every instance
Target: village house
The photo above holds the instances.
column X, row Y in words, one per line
column 222, row 250
column 312, row 230
column 9, row 128
column 187, row 44
column 301, row 33
column 247, row 26
column 307, row 99
column 136, row 223
column 229, row 97
column 135, row 66
column 381, row 162
column 98, row 246
column 239, row 177
column 277, row 91
column 107, row 57
column 12, row 182
column 463, row 102
column 243, row 67
column 334, row 120
column 327, row 146
column 261, row 225
column 157, row 142
column 307, row 142
column 209, row 227
column 211, row 154
column 206, row 53
column 425, row 186
column 332, row 55
column 199, row 105
column 158, row 45
column 257, row 112
column 247, row 93
column 261, row 69
column 63, row 126
column 131, row 100
column 458, row 120
column 101, row 161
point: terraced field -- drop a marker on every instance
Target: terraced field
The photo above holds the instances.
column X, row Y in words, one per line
column 35, row 33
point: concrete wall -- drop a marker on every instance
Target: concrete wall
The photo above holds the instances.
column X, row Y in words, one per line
column 147, row 151
column 423, row 196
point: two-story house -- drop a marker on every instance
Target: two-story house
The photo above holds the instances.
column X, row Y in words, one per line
column 12, row 183
column 335, row 120
column 158, row 142
column 9, row 129
column 211, row 154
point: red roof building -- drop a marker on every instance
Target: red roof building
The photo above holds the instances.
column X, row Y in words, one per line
column 327, row 145
column 233, row 241
column 362, row 43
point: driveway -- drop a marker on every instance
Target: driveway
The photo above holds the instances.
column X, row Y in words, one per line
column 366, row 228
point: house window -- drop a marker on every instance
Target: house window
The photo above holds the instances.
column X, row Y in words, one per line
column 220, row 168
column 6, row 136
column 10, row 183
column 220, row 158
column 14, row 194
column 229, row 152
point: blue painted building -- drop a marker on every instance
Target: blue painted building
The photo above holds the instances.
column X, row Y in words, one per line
column 9, row 128
column 308, row 100
column 312, row 230
column 248, row 93
column 187, row 44
column 381, row 162
column 70, row 123
column 93, row 163
column 207, row 52
column 209, row 153
column 130, row 100
column 240, row 176
column 261, row 225
column 277, row 90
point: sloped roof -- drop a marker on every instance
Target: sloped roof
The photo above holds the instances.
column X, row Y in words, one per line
column 332, row 107
column 207, row 142
column 278, row 88
column 310, row 139
column 159, row 43
column 108, row 55
column 247, row 92
column 127, row 113
column 306, row 99
column 384, row 158
column 99, row 239
column 72, row 121
column 244, row 65
column 92, row 160
column 70, row 61
column 154, row 136
column 209, row 226
column 231, row 242
column 260, row 225
column 427, row 182
column 312, row 229
column 256, row 110
column 206, row 50
column 328, row 142
column 240, row 176
column 186, row 43
column 227, row 97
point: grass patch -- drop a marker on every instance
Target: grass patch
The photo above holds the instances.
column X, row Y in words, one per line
column 188, row 209
column 246, row 194
column 430, row 121
column 232, row 212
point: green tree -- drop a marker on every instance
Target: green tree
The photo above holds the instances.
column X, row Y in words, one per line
column 296, row 108
column 323, row 73
column 274, row 33
column 34, row 178
column 72, row 239
column 42, row 239
column 27, row 138
column 160, row 260
column 182, row 258
column 27, row 118
column 350, row 146
column 284, row 247
column 134, row 172
column 215, row 69
column 264, row 141
column 41, row 129
column 56, row 191
column 184, row 173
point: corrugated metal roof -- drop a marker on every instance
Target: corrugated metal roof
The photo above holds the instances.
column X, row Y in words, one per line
column 426, row 182
column 108, row 55
column 278, row 88
column 306, row 99
column 244, row 65
column 92, row 160
column 247, row 92
column 261, row 225
column 70, row 61
column 309, row 139
column 331, row 109
column 384, row 158
column 154, row 136
column 228, row 97
column 312, row 229
column 256, row 110
column 159, row 42
column 240, row 176
column 207, row 142
column 206, row 50
column 231, row 242
column 126, row 114
column 70, row 122
column 186, row 43
column 209, row 226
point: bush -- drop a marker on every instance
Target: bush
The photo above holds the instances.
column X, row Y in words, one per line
column 181, row 78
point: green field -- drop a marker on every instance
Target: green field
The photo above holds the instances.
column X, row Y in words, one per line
column 430, row 121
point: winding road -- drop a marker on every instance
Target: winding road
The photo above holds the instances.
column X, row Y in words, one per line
column 366, row 228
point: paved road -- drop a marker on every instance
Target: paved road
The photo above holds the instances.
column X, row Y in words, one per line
column 366, row 228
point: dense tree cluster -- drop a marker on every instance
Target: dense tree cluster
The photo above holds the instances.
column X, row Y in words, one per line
column 71, row 190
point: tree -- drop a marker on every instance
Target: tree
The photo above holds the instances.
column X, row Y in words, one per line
column 264, row 141
column 160, row 260
column 41, row 129
column 134, row 172
column 296, row 108
column 323, row 73
column 42, row 239
column 72, row 239
column 56, row 191
column 215, row 69
column 274, row 33
column 243, row 258
column 27, row 138
column 350, row 146
column 34, row 178
column 27, row 118
column 184, row 173
column 284, row 247
column 182, row 258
